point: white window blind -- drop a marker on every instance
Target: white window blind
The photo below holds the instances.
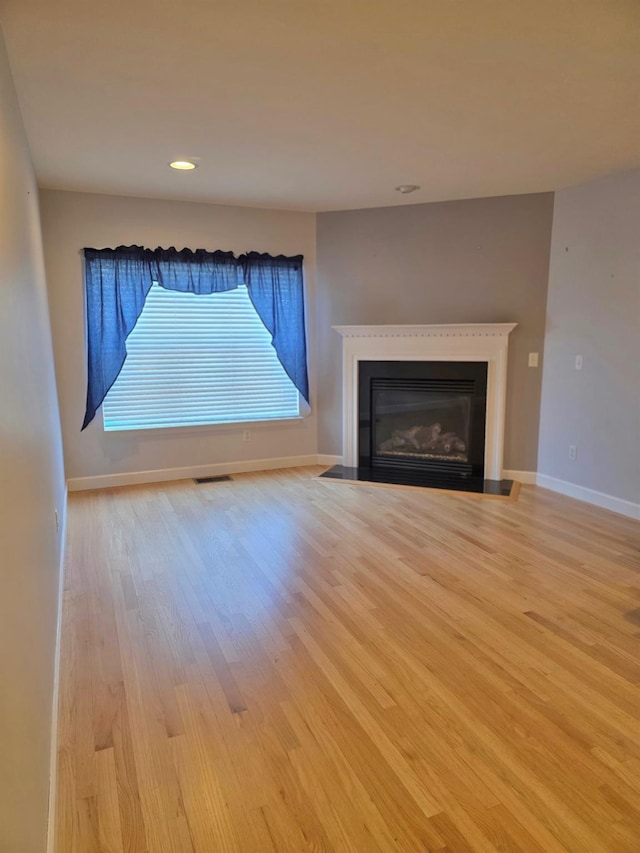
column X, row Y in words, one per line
column 199, row 359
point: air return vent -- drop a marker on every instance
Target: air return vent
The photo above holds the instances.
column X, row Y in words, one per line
column 222, row 478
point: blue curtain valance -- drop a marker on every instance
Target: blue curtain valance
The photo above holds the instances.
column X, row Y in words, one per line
column 117, row 282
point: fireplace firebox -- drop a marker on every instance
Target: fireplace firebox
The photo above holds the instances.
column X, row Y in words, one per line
column 423, row 417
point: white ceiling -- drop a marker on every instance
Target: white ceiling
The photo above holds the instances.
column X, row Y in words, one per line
column 326, row 104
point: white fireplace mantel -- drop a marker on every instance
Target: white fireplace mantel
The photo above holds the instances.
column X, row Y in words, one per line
column 486, row 342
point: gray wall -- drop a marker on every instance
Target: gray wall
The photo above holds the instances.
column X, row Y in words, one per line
column 72, row 221
column 483, row 260
column 31, row 488
column 594, row 311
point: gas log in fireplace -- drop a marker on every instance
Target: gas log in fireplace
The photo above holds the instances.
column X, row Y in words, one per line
column 426, row 417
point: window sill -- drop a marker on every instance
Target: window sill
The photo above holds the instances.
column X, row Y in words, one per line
column 183, row 429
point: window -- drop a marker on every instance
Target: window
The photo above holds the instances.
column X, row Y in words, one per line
column 200, row 354
column 199, row 359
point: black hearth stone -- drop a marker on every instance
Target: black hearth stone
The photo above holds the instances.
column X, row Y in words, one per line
column 400, row 477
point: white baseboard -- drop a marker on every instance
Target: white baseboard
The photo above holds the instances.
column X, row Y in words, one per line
column 131, row 478
column 53, row 760
column 105, row 481
column 581, row 493
column 329, row 459
column 528, row 477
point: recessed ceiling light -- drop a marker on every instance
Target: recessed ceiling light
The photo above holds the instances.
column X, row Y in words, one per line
column 407, row 188
column 183, row 165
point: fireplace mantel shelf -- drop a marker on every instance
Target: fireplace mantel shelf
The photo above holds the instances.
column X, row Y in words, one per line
column 486, row 342
column 451, row 330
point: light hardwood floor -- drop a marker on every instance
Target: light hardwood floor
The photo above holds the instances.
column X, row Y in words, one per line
column 284, row 664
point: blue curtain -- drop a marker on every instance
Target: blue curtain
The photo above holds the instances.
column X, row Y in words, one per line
column 117, row 282
column 275, row 289
column 195, row 272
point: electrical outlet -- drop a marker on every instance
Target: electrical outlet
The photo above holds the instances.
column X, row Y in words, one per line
column 246, row 435
column 573, row 452
column 533, row 359
column 578, row 362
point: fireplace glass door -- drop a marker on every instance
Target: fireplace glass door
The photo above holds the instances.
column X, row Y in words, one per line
column 419, row 424
column 422, row 416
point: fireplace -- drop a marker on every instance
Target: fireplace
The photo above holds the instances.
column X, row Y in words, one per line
column 424, row 405
column 423, row 416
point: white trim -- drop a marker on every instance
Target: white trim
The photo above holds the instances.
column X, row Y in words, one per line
column 106, row 481
column 463, row 342
column 130, row 478
column 446, row 330
column 53, row 759
column 591, row 496
column 328, row 459
column 527, row 477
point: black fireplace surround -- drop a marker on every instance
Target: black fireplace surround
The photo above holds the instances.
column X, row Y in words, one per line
column 422, row 417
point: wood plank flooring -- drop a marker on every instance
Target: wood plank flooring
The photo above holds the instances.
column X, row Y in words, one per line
column 280, row 663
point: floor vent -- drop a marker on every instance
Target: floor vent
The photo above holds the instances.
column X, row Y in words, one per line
column 222, row 478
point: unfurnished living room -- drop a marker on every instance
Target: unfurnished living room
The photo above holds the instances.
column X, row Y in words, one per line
column 320, row 410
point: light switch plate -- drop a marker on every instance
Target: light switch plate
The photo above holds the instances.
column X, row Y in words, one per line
column 533, row 359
